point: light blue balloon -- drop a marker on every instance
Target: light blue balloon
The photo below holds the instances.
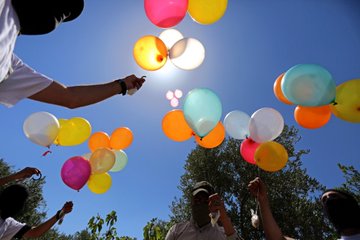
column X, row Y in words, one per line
column 236, row 124
column 121, row 161
column 202, row 110
column 308, row 85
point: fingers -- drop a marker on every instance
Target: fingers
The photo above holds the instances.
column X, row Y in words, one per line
column 68, row 206
column 28, row 172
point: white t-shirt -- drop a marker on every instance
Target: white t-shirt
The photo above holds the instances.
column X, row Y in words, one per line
column 9, row 228
column 17, row 80
column 353, row 237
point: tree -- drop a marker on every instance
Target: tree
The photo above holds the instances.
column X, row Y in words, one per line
column 294, row 195
column 352, row 177
column 156, row 229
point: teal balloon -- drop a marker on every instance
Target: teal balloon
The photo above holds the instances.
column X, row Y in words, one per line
column 121, row 161
column 202, row 110
column 308, row 85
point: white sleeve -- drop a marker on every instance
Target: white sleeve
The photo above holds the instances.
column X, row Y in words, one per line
column 9, row 228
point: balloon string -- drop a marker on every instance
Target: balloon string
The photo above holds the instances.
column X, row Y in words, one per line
column 46, row 153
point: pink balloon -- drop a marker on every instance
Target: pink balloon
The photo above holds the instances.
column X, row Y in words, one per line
column 247, row 150
column 75, row 172
column 165, row 13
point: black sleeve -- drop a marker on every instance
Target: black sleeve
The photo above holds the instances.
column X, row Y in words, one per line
column 22, row 231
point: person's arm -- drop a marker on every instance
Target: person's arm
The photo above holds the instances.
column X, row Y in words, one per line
column 272, row 231
column 45, row 226
column 216, row 204
column 25, row 173
column 80, row 96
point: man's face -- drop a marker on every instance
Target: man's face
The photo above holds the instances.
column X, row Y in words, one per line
column 200, row 208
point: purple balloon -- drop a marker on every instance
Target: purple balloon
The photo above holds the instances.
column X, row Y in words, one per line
column 76, row 172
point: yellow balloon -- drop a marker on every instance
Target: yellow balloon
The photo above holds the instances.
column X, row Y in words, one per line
column 207, row 11
column 99, row 183
column 72, row 132
column 102, row 160
column 150, row 53
column 271, row 156
column 347, row 100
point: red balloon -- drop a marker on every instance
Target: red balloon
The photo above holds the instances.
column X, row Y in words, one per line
column 247, row 150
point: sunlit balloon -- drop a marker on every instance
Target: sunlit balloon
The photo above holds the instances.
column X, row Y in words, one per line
column 187, row 53
column 75, row 172
column 347, row 100
column 265, row 124
column 41, row 128
column 178, row 93
column 278, row 92
column 247, row 150
column 174, row 102
column 102, row 160
column 312, row 117
column 237, row 124
column 99, row 140
column 150, row 53
column 202, row 110
column 207, row 11
column 121, row 138
column 121, row 160
column 214, row 138
column 170, row 37
column 99, row 183
column 308, row 85
column 73, row 131
column 271, row 156
column 169, row 95
column 165, row 13
column 175, row 126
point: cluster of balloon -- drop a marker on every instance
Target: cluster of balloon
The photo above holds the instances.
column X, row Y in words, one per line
column 44, row 129
column 174, row 97
column 257, row 133
column 151, row 52
column 107, row 155
column 200, row 118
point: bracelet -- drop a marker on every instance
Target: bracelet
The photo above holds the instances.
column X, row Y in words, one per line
column 123, row 86
column 58, row 215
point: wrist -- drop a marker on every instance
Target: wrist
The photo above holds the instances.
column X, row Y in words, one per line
column 123, row 86
column 58, row 215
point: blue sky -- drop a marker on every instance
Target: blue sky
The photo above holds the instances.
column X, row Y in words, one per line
column 246, row 50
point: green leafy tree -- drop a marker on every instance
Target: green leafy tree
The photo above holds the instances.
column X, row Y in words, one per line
column 352, row 177
column 156, row 229
column 294, row 196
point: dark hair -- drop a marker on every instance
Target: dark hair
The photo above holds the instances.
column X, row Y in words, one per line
column 12, row 200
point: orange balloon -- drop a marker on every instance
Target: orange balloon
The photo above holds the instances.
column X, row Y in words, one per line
column 99, row 140
column 312, row 117
column 121, row 138
column 175, row 126
column 278, row 92
column 213, row 138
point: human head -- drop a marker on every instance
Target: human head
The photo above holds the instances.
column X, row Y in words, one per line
column 43, row 16
column 342, row 210
column 200, row 202
column 12, row 200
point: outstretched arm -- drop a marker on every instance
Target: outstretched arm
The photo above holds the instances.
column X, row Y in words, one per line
column 23, row 174
column 45, row 226
column 80, row 96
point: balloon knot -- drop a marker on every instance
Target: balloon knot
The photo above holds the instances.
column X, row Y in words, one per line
column 334, row 103
column 46, row 153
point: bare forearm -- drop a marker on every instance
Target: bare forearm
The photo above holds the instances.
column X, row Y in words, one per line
column 227, row 225
column 41, row 229
column 271, row 228
column 5, row 180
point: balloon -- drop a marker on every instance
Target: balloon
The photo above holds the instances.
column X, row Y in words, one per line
column 99, row 183
column 121, row 138
column 187, row 53
column 74, row 131
column 102, row 160
column 312, row 117
column 278, row 92
column 121, row 160
column 75, row 172
column 202, row 110
column 266, row 124
column 237, row 124
column 175, row 126
column 41, row 128
column 347, row 100
column 214, row 138
column 165, row 13
column 87, row 156
column 170, row 37
column 150, row 53
column 308, row 85
column 271, row 156
column 247, row 150
column 99, row 140
column 207, row 11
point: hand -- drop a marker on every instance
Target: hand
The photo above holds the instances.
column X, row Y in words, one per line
column 134, row 82
column 67, row 208
column 26, row 173
column 216, row 204
column 258, row 189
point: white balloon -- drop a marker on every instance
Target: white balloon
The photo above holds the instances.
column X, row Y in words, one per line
column 265, row 125
column 170, row 37
column 187, row 53
column 41, row 128
column 236, row 124
column 121, row 161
